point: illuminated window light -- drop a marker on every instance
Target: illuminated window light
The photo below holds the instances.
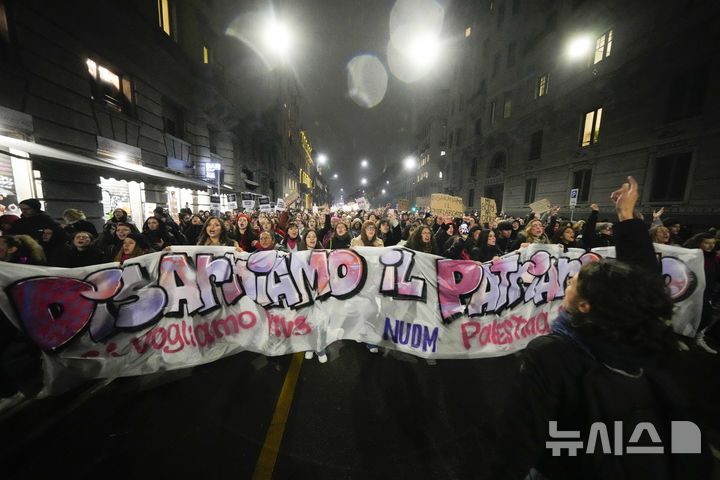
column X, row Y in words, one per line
column 206, row 55
column 468, row 32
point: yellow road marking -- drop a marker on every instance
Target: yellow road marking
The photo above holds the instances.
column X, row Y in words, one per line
column 271, row 447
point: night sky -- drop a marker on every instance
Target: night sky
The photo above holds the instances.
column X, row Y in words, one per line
column 332, row 33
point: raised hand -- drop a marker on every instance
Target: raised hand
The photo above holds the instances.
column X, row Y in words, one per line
column 594, row 207
column 658, row 213
column 625, row 199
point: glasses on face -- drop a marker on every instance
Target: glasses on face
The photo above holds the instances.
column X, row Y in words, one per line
column 86, row 237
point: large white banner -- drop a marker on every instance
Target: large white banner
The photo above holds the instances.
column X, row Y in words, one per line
column 194, row 305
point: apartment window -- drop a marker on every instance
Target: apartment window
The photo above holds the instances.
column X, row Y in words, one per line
column 109, row 88
column 530, row 186
column 603, row 46
column 687, row 93
column 493, row 107
column 478, row 127
column 581, row 181
column 501, row 14
column 591, row 127
column 450, row 140
column 507, row 106
column 670, row 177
column 536, row 145
column 443, row 153
column 511, row 54
column 206, row 55
column 173, row 119
column 166, row 17
column 461, row 103
column 458, row 137
column 471, row 197
column 473, row 168
column 541, row 87
column 468, row 32
column 496, row 64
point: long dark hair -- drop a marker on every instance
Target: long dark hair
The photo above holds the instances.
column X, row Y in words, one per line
column 628, row 306
column 415, row 241
column 225, row 239
column 363, row 233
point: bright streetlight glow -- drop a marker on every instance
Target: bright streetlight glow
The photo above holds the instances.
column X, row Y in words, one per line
column 363, row 181
column 387, row 182
column 409, row 163
column 335, row 175
column 277, row 38
column 424, row 49
column 322, row 159
column 364, row 163
column 578, row 48
column 383, row 191
column 342, row 189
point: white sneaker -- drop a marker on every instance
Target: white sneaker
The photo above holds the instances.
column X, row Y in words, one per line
column 373, row 349
column 322, row 357
column 700, row 342
column 308, row 355
column 10, row 402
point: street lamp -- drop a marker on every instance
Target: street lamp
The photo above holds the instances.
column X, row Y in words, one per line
column 578, row 47
column 363, row 181
column 277, row 38
column 322, row 159
column 364, row 163
column 387, row 182
column 410, row 163
column 383, row 191
column 335, row 176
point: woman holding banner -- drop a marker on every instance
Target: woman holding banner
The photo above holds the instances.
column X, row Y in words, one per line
column 611, row 336
column 214, row 233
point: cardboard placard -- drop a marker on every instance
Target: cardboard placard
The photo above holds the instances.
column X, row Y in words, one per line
column 488, row 210
column 279, row 205
column 446, row 205
column 422, row 202
column 541, row 206
column 291, row 198
column 403, row 205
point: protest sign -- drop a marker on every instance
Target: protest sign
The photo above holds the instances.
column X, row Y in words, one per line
column 403, row 205
column 232, row 201
column 279, row 205
column 248, row 202
column 446, row 205
column 541, row 206
column 488, row 210
column 264, row 204
column 422, row 203
column 193, row 305
column 362, row 203
column 291, row 198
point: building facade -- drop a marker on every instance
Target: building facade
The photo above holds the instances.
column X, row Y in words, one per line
column 527, row 120
column 129, row 104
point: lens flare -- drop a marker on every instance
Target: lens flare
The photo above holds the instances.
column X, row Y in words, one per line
column 415, row 27
column 367, row 80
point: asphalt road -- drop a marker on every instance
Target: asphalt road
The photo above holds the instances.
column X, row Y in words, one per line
column 359, row 416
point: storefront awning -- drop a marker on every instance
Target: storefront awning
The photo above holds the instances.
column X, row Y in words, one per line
column 57, row 154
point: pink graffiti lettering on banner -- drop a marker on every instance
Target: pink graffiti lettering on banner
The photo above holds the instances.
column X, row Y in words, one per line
column 681, row 281
column 139, row 303
column 397, row 279
column 179, row 280
column 179, row 335
column 456, row 280
column 279, row 327
column 211, row 272
column 52, row 310
column 311, row 277
column 347, row 273
column 501, row 332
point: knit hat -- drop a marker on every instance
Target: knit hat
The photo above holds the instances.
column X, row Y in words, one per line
column 33, row 203
column 9, row 218
column 505, row 226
